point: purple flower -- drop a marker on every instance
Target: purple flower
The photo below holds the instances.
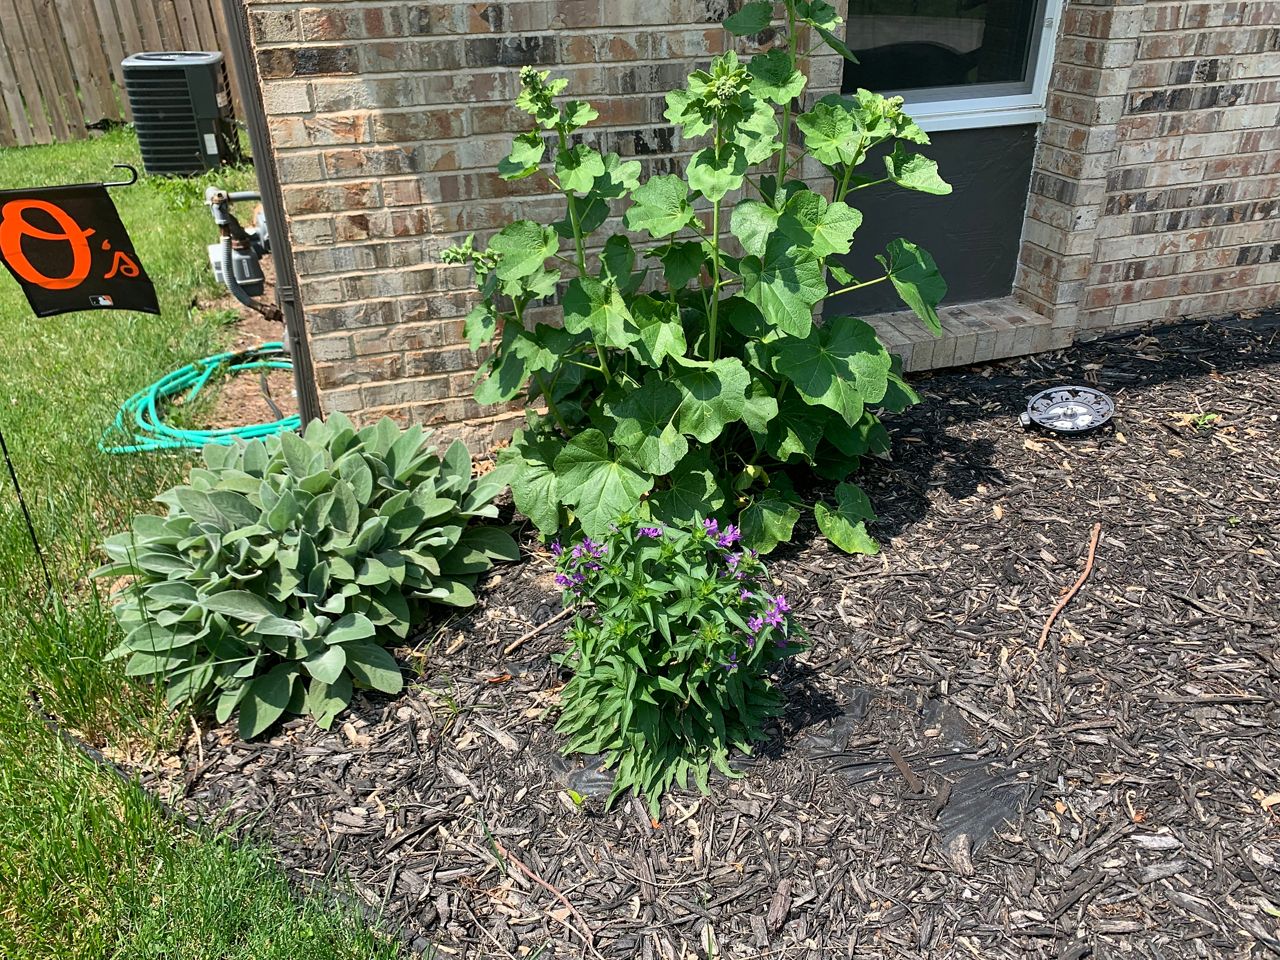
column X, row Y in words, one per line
column 732, row 663
column 730, row 536
column 653, row 533
column 773, row 617
column 711, row 526
column 780, row 603
column 556, row 549
column 755, row 624
column 562, row 580
column 751, row 642
column 745, row 595
column 732, row 560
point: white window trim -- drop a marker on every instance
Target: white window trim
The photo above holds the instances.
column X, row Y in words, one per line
column 971, row 112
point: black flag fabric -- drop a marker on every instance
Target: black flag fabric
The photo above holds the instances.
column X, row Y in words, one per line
column 69, row 251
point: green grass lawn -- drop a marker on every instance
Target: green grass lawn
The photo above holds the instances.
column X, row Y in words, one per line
column 88, row 868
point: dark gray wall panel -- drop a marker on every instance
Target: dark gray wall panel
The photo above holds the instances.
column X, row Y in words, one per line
column 973, row 233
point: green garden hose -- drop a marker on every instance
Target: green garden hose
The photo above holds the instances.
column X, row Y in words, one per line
column 140, row 420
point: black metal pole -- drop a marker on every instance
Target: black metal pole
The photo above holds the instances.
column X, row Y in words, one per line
column 242, row 61
column 26, row 514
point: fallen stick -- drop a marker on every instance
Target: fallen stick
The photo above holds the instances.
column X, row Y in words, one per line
column 585, row 932
column 517, row 643
column 1062, row 604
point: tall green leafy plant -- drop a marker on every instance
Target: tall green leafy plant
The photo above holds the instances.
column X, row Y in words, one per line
column 283, row 566
column 689, row 375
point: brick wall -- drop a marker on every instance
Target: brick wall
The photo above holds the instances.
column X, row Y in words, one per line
column 1156, row 193
column 388, row 121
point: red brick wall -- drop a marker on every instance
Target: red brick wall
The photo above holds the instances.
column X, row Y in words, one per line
column 1157, row 188
column 388, row 121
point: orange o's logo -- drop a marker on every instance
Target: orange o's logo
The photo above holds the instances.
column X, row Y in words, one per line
column 14, row 226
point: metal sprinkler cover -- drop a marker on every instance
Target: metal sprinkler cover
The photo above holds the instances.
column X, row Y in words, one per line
column 1069, row 409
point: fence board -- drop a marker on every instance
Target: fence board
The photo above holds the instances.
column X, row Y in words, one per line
column 103, row 21
column 129, row 26
column 205, row 26
column 60, row 59
column 59, row 66
column 170, row 30
column 88, row 61
column 187, row 24
column 46, row 95
column 17, row 123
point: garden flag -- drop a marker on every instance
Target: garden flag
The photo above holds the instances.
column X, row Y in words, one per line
column 69, row 251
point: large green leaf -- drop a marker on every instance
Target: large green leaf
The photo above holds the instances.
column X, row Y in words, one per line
column 267, row 699
column 826, row 228
column 840, row 365
column 915, row 276
column 578, row 167
column 712, row 395
column 523, row 247
column 757, row 132
column 660, row 207
column 751, row 19
column 534, row 487
column 795, row 430
column 527, row 151
column 899, row 394
column 590, row 304
column 374, row 667
column 785, row 284
column 915, row 172
column 693, row 492
column 681, row 262
column 767, row 522
column 600, row 483
column 752, row 223
column 714, row 173
column 645, row 425
column 774, row 77
column 761, row 406
column 241, row 605
column 325, row 701
column 326, row 664
column 830, row 134
column 661, row 332
column 846, row 525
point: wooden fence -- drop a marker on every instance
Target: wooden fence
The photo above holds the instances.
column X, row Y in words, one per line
column 60, row 59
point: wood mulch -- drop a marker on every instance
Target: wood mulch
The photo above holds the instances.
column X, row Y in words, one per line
column 942, row 784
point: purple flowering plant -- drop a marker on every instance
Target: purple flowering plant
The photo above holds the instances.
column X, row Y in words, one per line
column 676, row 632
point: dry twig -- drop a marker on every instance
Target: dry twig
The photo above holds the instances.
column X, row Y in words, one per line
column 1075, row 587
column 520, row 641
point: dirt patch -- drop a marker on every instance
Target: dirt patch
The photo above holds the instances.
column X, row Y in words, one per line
column 941, row 784
column 247, row 398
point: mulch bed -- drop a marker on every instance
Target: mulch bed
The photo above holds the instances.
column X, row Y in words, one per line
column 941, row 785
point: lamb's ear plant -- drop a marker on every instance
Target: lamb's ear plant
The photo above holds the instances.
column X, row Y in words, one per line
column 689, row 375
column 284, row 565
column 675, row 635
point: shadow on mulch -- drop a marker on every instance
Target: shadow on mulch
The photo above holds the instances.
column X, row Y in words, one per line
column 941, row 783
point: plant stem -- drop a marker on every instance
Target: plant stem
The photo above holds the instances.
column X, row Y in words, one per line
column 715, row 279
column 518, row 303
column 858, row 286
column 551, row 404
column 786, row 107
column 713, row 313
column 581, row 249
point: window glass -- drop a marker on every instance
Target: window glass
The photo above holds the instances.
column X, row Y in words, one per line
column 952, row 48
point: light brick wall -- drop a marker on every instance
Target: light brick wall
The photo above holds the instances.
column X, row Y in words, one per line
column 388, row 120
column 1156, row 193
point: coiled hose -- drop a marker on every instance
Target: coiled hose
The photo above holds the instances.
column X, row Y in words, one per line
column 140, row 420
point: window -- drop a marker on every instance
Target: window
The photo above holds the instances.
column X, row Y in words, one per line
column 958, row 63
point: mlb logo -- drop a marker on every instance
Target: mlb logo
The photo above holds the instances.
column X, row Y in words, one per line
column 102, row 300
